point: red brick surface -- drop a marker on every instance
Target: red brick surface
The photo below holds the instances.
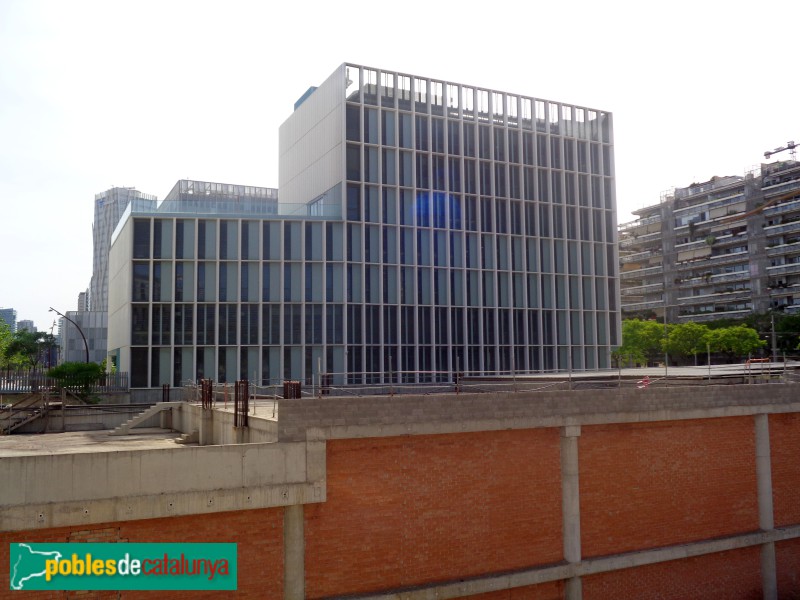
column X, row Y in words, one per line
column 784, row 434
column 787, row 559
column 656, row 484
column 258, row 533
column 734, row 575
column 411, row 510
column 553, row 590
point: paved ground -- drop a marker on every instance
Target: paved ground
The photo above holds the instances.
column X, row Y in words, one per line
column 73, row 442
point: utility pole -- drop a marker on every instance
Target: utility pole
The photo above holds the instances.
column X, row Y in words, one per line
column 774, row 340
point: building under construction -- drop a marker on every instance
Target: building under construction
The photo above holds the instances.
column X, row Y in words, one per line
column 721, row 248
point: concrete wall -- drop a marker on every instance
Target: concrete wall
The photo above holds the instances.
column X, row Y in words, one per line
column 218, row 426
column 82, row 488
column 120, row 283
column 328, row 418
column 311, row 143
column 87, row 419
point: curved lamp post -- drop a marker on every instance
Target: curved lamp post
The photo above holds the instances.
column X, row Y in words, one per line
column 85, row 344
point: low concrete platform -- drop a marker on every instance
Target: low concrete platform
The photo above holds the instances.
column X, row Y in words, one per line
column 86, row 442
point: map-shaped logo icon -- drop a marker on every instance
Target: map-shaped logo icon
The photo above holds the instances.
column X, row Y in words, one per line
column 28, row 563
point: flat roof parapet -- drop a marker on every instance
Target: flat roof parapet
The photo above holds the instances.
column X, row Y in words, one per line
column 379, row 416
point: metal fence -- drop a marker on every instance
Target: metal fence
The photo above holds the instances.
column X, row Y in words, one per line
column 25, row 382
column 429, row 382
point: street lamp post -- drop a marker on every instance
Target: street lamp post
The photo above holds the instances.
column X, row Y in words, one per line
column 85, row 343
column 774, row 339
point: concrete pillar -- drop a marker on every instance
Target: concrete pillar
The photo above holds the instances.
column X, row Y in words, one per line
column 294, row 553
column 570, row 505
column 766, row 519
column 206, row 427
column 165, row 418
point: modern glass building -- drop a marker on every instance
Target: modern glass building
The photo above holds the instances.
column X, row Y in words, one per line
column 424, row 228
column 109, row 206
column 9, row 316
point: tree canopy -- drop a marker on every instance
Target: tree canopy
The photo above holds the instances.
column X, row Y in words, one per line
column 77, row 377
column 641, row 340
column 644, row 341
column 25, row 348
column 687, row 339
column 739, row 340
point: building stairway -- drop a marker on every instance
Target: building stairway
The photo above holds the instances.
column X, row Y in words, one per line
column 125, row 428
column 30, row 408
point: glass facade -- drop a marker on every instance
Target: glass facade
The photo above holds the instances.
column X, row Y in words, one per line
column 477, row 234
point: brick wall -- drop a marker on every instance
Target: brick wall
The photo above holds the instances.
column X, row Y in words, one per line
column 413, row 510
column 553, row 590
column 410, row 510
column 787, row 558
column 784, row 433
column 731, row 575
column 655, row 484
column 258, row 533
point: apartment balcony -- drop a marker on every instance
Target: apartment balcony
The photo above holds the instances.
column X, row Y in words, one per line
column 791, row 268
column 721, row 278
column 640, row 240
column 640, row 273
column 640, row 290
column 780, row 188
column 639, row 223
column 717, row 296
column 784, row 249
column 639, row 256
column 783, row 208
column 725, row 277
column 639, row 306
column 726, row 259
column 696, row 245
column 714, row 315
column 781, row 229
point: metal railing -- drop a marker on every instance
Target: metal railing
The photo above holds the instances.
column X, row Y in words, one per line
column 224, row 395
column 23, row 382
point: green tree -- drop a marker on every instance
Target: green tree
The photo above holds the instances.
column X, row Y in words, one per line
column 641, row 340
column 787, row 330
column 77, row 377
column 687, row 339
column 5, row 340
column 736, row 341
column 27, row 348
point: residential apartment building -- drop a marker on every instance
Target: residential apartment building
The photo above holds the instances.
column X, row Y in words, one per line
column 83, row 301
column 26, row 325
column 722, row 248
column 424, row 228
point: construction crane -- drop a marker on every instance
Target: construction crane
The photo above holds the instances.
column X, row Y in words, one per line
column 790, row 146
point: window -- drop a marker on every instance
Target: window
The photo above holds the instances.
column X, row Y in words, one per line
column 141, row 238
column 141, row 282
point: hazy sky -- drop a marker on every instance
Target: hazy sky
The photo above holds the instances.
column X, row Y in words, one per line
column 113, row 93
